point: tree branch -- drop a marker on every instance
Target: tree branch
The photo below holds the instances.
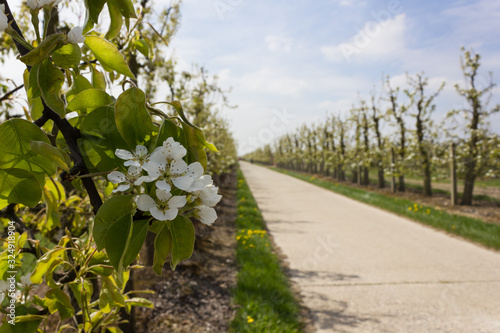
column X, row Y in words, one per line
column 9, row 93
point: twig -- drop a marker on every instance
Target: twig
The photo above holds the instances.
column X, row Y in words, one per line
column 9, row 93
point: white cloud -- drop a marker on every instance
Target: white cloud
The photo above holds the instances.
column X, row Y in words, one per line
column 375, row 40
column 279, row 43
column 269, row 81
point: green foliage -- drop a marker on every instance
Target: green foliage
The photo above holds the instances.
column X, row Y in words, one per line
column 82, row 235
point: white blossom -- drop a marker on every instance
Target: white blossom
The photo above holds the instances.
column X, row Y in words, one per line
column 200, row 183
column 170, row 150
column 183, row 175
column 209, row 196
column 165, row 209
column 136, row 158
column 207, row 215
column 131, row 178
column 75, row 35
column 25, row 280
column 4, row 22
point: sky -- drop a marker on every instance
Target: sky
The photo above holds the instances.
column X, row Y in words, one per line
column 293, row 62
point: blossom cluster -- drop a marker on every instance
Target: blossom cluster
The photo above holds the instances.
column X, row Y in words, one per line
column 178, row 187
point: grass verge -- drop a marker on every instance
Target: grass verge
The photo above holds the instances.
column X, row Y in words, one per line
column 266, row 303
column 469, row 228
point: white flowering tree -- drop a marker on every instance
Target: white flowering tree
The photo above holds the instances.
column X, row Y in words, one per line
column 137, row 169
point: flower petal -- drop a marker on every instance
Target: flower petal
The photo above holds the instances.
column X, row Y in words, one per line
column 177, row 201
column 124, row 154
column 144, row 179
column 178, row 167
column 117, row 177
column 163, row 185
column 171, row 213
column 207, row 215
column 134, row 170
column 152, row 168
column 163, row 195
column 209, row 196
column 195, row 170
column 145, row 202
column 158, row 214
column 121, row 188
column 141, row 151
column 132, row 163
column 183, row 183
column 159, row 155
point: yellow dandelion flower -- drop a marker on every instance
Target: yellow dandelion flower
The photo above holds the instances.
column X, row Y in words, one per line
column 249, row 319
column 409, row 208
column 453, row 227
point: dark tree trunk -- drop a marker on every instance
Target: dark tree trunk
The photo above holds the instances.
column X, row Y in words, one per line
column 381, row 177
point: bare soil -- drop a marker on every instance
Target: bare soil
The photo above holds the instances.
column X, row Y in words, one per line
column 196, row 297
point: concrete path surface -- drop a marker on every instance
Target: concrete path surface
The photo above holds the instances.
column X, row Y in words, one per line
column 361, row 269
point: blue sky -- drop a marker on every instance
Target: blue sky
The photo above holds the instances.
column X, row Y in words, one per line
column 290, row 62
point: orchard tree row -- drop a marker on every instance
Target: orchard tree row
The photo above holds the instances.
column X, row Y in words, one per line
column 401, row 138
column 104, row 147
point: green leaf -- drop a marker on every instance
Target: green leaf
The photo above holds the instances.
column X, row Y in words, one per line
column 163, row 244
column 100, row 139
column 80, row 83
column 108, row 55
column 116, row 240
column 110, row 296
column 82, row 291
column 15, row 147
column 142, row 46
column 89, row 99
column 50, row 81
column 43, row 50
column 132, row 117
column 26, row 320
column 58, row 300
column 53, row 194
column 124, row 241
column 33, row 89
column 52, row 153
column 194, row 147
column 199, row 133
column 138, row 236
column 19, row 186
column 138, row 301
column 116, row 21
column 98, row 79
column 182, row 232
column 46, row 263
column 67, row 56
column 94, row 8
column 126, row 7
column 111, row 212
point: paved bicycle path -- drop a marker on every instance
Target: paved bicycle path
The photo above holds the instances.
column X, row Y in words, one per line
column 361, row 269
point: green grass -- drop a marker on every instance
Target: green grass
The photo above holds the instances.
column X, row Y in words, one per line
column 469, row 228
column 266, row 303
